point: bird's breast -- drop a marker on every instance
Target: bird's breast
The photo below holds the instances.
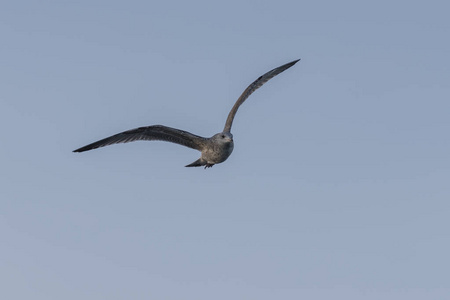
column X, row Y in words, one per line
column 218, row 153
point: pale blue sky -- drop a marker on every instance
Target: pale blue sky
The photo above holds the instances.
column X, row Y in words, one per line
column 338, row 187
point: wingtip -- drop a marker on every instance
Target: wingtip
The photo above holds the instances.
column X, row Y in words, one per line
column 82, row 149
column 290, row 64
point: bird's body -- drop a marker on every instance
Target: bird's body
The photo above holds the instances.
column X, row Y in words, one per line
column 214, row 150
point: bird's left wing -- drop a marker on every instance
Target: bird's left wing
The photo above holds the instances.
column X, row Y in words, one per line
column 150, row 133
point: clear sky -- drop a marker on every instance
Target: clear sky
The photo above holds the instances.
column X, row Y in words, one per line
column 338, row 186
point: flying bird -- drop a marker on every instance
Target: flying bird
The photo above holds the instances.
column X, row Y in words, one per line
column 214, row 150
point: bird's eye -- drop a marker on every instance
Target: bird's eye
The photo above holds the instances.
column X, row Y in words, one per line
column 223, row 136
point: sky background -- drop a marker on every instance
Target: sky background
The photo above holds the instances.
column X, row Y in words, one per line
column 338, row 186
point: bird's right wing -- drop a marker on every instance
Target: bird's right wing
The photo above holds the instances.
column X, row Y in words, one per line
column 253, row 87
column 150, row 133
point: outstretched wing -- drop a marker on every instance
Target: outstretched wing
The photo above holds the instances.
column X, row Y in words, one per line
column 253, row 87
column 150, row 133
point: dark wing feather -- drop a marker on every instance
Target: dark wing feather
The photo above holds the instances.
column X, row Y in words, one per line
column 150, row 133
column 253, row 87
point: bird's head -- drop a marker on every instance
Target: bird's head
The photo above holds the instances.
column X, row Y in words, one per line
column 223, row 137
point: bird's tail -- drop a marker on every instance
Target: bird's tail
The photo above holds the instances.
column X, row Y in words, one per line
column 198, row 163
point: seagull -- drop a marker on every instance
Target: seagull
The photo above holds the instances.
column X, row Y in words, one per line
column 214, row 150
